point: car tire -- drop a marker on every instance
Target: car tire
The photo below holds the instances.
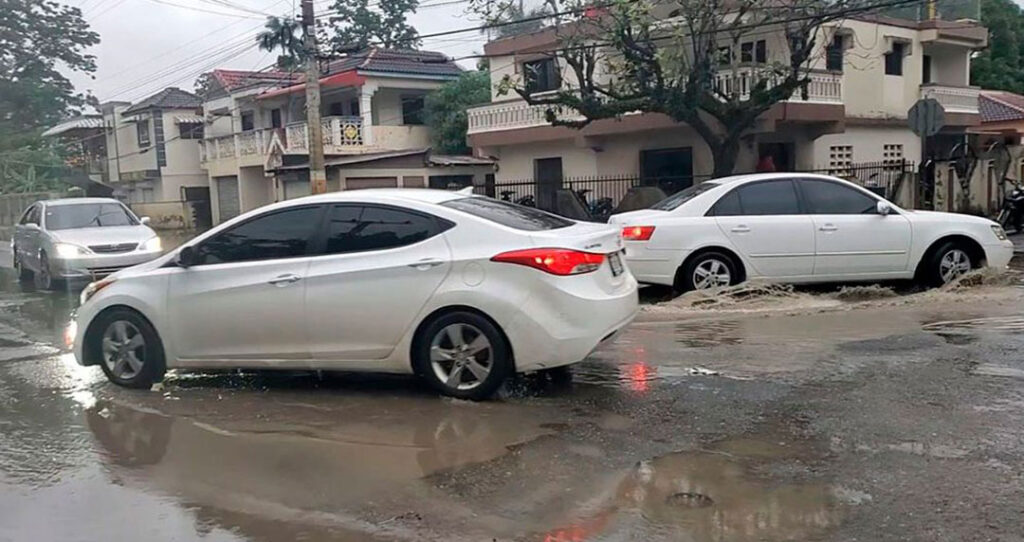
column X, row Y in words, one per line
column 950, row 261
column 43, row 278
column 708, row 270
column 462, row 355
column 24, row 275
column 128, row 349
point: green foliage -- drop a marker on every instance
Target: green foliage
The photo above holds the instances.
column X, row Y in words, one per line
column 446, row 110
column 39, row 39
column 514, row 12
column 356, row 25
column 284, row 34
column 32, row 170
column 1001, row 66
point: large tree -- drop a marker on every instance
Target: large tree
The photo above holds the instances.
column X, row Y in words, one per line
column 283, row 34
column 1001, row 66
column 40, row 41
column 445, row 110
column 357, row 24
column 680, row 58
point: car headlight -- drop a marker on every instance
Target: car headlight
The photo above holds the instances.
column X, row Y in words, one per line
column 1000, row 232
column 68, row 251
column 153, row 245
column 92, row 289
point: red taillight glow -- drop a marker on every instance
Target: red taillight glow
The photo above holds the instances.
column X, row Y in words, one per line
column 557, row 261
column 637, row 233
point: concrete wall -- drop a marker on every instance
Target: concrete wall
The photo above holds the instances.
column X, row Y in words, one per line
column 165, row 215
column 868, row 144
column 254, row 188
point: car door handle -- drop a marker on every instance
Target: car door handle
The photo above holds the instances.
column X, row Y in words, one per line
column 740, row 229
column 284, row 280
column 423, row 265
column 828, row 227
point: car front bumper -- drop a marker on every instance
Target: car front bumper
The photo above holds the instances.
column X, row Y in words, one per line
column 998, row 255
column 96, row 266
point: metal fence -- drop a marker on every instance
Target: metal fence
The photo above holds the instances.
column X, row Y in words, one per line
column 601, row 195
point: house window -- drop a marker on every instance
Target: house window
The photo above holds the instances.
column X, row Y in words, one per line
column 840, row 160
column 275, row 118
column 412, row 110
column 248, row 121
column 337, row 109
column 542, row 75
column 142, row 131
column 926, row 69
column 353, row 108
column 724, row 56
column 754, row 51
column 894, row 59
column 190, row 131
column 834, row 54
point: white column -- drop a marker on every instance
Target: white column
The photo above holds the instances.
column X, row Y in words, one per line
column 366, row 93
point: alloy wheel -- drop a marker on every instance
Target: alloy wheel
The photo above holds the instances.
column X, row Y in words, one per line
column 44, row 277
column 711, row 273
column 954, row 264
column 124, row 349
column 461, row 356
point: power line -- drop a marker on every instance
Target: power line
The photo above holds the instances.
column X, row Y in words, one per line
column 202, row 10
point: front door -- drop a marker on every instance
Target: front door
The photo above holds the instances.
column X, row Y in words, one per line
column 548, row 175
column 851, row 238
column 668, row 169
column 244, row 300
column 764, row 223
column 380, row 267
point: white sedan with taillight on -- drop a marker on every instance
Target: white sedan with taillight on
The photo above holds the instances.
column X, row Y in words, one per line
column 463, row 291
column 796, row 228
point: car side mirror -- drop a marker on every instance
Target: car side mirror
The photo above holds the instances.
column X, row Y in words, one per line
column 144, row 220
column 188, row 256
column 883, row 208
column 32, row 226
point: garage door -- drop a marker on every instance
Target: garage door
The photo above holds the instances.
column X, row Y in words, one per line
column 297, row 189
column 227, row 197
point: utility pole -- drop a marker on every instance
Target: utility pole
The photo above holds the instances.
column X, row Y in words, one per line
column 317, row 171
column 933, row 12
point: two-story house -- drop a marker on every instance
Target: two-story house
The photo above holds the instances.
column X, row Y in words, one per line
column 256, row 146
column 153, row 146
column 865, row 75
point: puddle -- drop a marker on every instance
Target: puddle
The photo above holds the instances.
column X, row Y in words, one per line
column 987, row 369
column 1001, row 324
column 713, row 494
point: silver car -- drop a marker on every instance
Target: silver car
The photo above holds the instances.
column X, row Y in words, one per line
column 80, row 239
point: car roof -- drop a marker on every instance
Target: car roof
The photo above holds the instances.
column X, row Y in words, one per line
column 422, row 195
column 751, row 177
column 77, row 201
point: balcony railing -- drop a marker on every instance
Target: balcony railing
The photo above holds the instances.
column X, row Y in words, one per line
column 248, row 143
column 953, row 99
column 824, row 87
column 339, row 134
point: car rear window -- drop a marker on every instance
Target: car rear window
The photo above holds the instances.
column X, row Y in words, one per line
column 673, row 202
column 507, row 214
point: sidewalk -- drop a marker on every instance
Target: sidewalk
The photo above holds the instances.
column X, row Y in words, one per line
column 1018, row 243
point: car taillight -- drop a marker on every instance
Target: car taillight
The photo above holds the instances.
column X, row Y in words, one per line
column 557, row 261
column 637, row 233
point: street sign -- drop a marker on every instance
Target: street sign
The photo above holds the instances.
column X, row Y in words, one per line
column 926, row 117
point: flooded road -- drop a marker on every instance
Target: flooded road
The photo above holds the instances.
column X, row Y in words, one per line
column 895, row 418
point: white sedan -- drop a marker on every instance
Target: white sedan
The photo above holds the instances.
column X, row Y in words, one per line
column 463, row 291
column 797, row 228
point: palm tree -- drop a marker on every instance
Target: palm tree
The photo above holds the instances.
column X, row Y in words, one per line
column 282, row 33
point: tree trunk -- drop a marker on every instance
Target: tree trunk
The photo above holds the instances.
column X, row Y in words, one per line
column 724, row 156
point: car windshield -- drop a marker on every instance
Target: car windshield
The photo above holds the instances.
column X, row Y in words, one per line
column 511, row 215
column 675, row 200
column 88, row 215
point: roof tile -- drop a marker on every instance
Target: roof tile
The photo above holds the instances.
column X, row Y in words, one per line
column 1000, row 106
column 168, row 98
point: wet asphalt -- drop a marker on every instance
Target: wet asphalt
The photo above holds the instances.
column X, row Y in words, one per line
column 895, row 419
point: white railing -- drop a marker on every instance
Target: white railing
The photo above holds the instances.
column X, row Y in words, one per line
column 953, row 99
column 824, row 87
column 339, row 134
column 249, row 143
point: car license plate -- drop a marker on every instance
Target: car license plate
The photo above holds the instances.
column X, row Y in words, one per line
column 615, row 260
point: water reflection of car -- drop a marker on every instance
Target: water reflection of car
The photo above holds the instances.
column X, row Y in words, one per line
column 461, row 290
column 799, row 228
column 80, row 238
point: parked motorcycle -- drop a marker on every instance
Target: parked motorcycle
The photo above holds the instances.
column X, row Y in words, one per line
column 1011, row 215
column 600, row 209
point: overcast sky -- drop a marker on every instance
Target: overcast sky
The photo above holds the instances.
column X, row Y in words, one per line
column 147, row 45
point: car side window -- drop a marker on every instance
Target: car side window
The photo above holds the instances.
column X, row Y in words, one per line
column 29, row 216
column 769, row 198
column 829, row 198
column 728, row 205
column 359, row 228
column 275, row 235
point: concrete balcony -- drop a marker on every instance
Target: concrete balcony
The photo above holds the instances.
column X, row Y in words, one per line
column 825, row 88
column 956, row 100
column 348, row 135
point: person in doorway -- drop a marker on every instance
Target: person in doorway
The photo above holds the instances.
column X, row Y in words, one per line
column 766, row 164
